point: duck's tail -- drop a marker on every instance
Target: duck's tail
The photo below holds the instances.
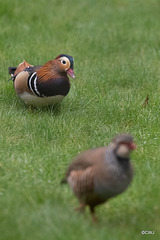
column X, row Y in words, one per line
column 11, row 70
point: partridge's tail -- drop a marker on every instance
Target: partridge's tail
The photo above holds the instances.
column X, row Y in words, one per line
column 64, row 181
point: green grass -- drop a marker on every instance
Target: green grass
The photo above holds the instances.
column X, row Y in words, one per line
column 116, row 47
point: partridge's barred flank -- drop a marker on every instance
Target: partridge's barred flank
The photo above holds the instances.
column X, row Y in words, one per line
column 43, row 85
column 99, row 174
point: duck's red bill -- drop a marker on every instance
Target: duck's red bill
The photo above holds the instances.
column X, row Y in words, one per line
column 71, row 73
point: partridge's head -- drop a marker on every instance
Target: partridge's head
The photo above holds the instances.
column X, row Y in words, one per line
column 66, row 64
column 123, row 145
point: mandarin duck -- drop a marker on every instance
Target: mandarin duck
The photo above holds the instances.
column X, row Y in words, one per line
column 43, row 85
column 99, row 174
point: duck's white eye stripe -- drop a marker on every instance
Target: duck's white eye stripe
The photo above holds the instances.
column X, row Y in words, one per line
column 63, row 61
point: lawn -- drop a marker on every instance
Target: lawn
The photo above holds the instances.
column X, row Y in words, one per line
column 116, row 47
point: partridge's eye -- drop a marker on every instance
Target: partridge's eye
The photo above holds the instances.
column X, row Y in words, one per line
column 63, row 62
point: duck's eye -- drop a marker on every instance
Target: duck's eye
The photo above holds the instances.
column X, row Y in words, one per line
column 63, row 61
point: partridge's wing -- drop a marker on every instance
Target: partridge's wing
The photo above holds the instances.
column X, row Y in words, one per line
column 87, row 159
column 82, row 182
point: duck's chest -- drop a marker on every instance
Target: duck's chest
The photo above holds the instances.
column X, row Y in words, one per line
column 36, row 101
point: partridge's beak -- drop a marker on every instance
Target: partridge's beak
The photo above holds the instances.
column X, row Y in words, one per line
column 71, row 73
column 132, row 146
